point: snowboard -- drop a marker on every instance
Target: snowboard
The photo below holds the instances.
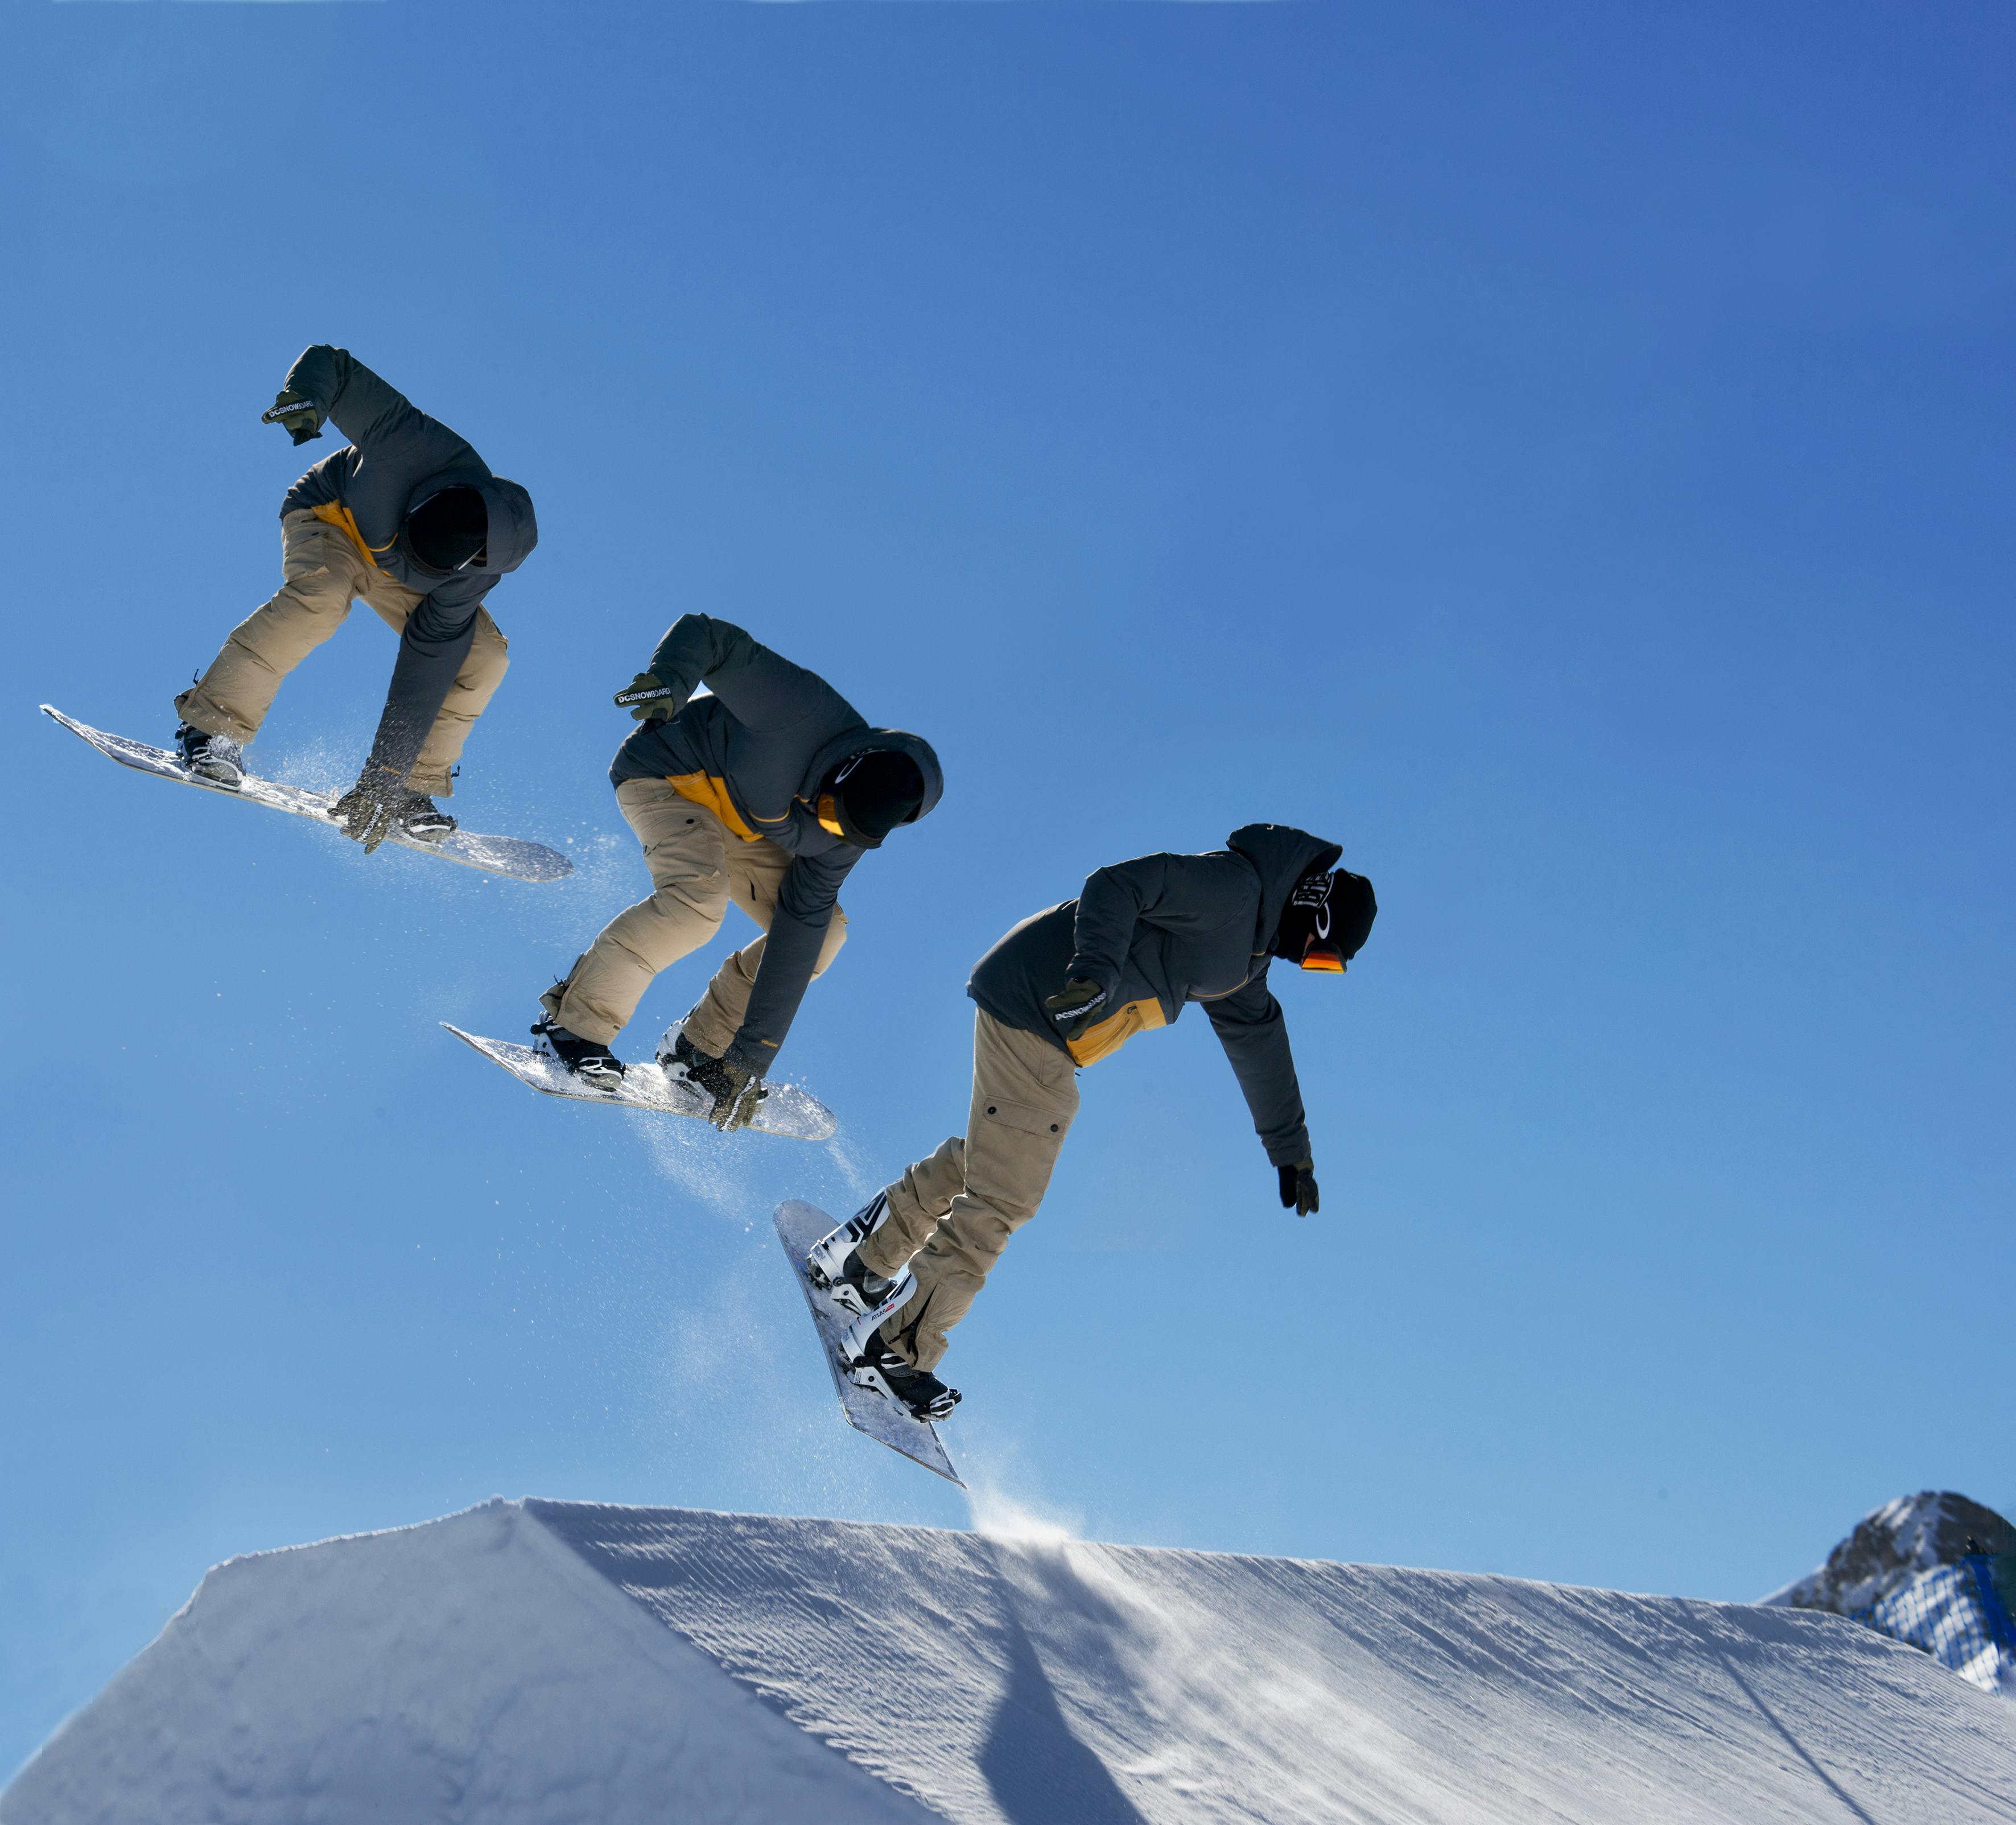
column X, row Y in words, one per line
column 800, row 1227
column 787, row 1110
column 505, row 855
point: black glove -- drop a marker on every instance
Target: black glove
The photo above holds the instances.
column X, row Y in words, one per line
column 1074, row 1006
column 1298, row 1188
column 298, row 413
column 736, row 1090
column 369, row 811
column 648, row 699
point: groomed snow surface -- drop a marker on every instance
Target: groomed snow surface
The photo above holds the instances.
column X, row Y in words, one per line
column 554, row 1661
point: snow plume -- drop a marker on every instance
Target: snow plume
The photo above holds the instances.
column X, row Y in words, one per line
column 702, row 1163
column 856, row 1173
column 324, row 764
column 1001, row 1516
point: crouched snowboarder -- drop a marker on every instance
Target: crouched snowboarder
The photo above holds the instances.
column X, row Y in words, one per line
column 766, row 792
column 1067, row 988
column 407, row 517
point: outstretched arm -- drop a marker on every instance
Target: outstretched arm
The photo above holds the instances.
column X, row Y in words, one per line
column 1253, row 1031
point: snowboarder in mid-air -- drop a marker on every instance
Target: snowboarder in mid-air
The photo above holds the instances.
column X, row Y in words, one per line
column 1066, row 987
column 408, row 517
column 766, row 792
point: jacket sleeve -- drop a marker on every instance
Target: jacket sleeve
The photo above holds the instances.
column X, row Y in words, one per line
column 804, row 909
column 432, row 648
column 347, row 394
column 1114, row 902
column 1253, row 1031
column 760, row 689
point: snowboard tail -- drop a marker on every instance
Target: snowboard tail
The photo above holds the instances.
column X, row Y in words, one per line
column 511, row 856
column 800, row 1227
column 786, row 1110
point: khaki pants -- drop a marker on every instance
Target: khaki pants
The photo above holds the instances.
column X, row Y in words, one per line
column 323, row 572
column 697, row 865
column 951, row 1215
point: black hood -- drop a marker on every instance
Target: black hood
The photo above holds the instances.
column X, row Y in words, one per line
column 513, row 531
column 1282, row 854
column 864, row 740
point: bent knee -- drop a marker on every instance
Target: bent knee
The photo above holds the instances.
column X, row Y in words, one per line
column 490, row 643
column 836, row 935
column 691, row 906
column 322, row 593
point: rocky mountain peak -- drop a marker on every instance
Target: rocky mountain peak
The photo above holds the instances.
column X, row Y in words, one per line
column 1892, row 1545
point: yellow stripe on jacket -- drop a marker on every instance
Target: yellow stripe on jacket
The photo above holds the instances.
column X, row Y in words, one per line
column 335, row 513
column 1113, row 1032
column 705, row 789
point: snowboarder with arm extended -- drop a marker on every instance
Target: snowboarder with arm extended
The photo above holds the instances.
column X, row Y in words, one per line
column 408, row 517
column 1066, row 988
column 765, row 791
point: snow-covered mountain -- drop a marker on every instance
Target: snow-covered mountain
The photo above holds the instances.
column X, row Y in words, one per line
column 1934, row 1570
column 1892, row 1545
column 549, row 1662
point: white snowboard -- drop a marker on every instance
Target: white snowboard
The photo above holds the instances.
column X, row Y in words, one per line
column 505, row 855
column 799, row 1225
column 787, row 1110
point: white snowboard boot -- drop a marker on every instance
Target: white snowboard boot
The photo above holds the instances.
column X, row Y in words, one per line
column 835, row 1265
column 858, row 1343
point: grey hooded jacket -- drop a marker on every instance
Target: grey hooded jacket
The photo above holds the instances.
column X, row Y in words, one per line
column 1160, row 931
column 755, row 751
column 396, row 457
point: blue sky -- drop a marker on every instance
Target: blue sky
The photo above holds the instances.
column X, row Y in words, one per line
column 1563, row 458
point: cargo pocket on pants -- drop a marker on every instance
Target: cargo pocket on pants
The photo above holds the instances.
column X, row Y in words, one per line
column 1010, row 1160
column 1027, row 1118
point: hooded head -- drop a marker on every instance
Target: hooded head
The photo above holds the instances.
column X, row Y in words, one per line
column 445, row 531
column 1293, row 865
column 1326, row 921
column 887, row 778
column 484, row 524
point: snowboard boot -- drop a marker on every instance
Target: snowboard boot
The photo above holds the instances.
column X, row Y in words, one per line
column 215, row 758
column 858, row 1340
column 592, row 1063
column 422, row 819
column 835, row 1265
column 919, row 1390
column 679, row 1057
column 735, row 1091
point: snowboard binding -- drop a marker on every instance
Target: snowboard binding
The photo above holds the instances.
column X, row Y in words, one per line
column 927, row 1397
column 581, row 1058
column 835, row 1265
column 737, row 1092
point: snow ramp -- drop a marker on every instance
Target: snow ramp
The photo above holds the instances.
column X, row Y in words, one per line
column 554, row 1661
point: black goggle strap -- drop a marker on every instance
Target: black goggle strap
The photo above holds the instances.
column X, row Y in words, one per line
column 1320, row 951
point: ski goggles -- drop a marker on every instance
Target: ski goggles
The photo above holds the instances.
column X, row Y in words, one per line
column 1319, row 954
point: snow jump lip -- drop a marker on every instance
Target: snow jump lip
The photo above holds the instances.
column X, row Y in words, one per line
column 512, row 857
column 667, row 1663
